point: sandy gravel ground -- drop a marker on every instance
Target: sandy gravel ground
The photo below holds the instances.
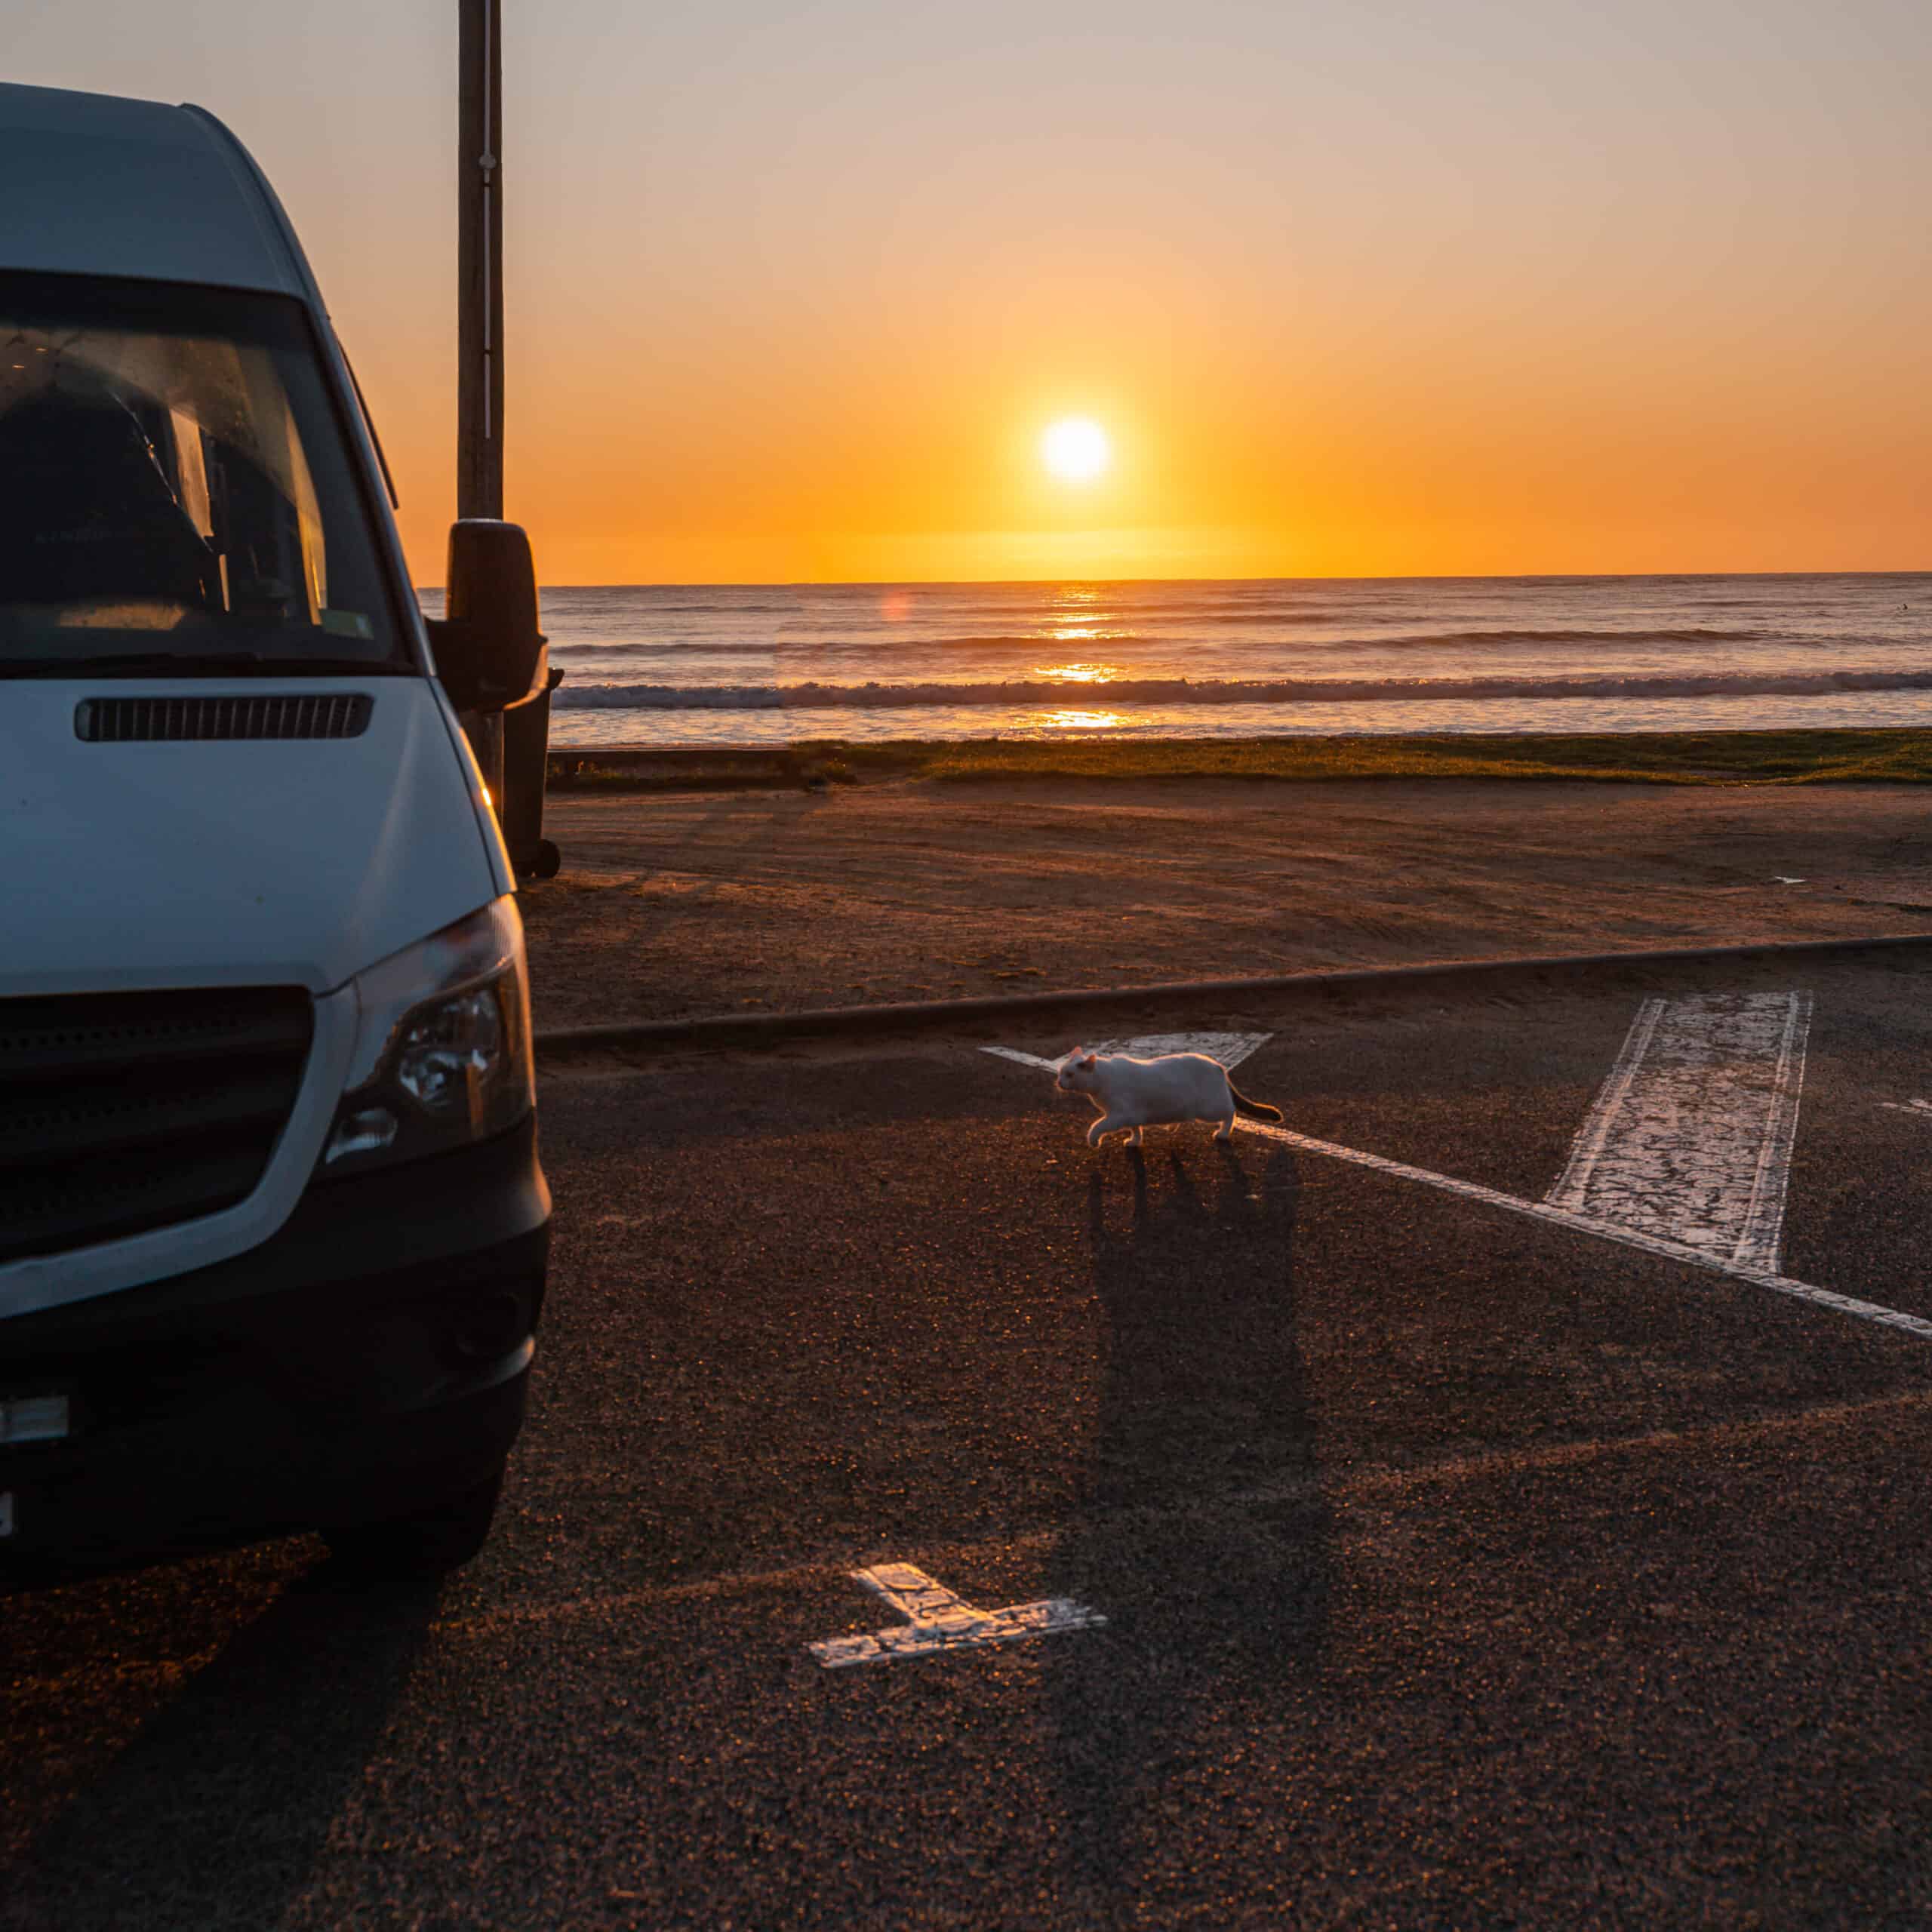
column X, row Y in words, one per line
column 687, row 903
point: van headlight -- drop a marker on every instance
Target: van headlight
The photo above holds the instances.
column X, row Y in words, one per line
column 442, row 1054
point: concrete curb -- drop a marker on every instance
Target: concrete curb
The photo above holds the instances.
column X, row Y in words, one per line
column 769, row 1029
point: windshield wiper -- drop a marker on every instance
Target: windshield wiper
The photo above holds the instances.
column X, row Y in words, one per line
column 194, row 664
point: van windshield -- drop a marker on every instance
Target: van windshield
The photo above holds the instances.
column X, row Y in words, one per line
column 175, row 495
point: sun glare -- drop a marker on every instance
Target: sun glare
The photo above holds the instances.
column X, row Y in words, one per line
column 1076, row 721
column 1075, row 449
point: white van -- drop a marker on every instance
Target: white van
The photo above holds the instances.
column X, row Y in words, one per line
column 273, row 1230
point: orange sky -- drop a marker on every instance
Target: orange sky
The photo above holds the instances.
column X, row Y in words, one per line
column 1492, row 286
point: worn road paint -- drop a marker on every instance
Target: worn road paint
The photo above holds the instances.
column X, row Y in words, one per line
column 1628, row 1237
column 1691, row 1138
column 1920, row 1107
column 1778, row 1122
column 937, row 1619
column 1230, row 1049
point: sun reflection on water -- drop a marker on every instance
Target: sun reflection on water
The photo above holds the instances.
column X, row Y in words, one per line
column 1076, row 721
column 1078, row 673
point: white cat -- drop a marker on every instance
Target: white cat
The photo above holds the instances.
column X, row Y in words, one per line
column 1133, row 1093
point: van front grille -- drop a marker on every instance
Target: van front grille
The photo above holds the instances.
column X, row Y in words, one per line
column 124, row 721
column 123, row 1111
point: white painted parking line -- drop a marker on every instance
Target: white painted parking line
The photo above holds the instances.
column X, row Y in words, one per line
column 1230, row 1049
column 1628, row 1237
column 1922, row 1108
column 1024, row 1059
column 1691, row 1138
column 937, row 1618
column 1737, row 1215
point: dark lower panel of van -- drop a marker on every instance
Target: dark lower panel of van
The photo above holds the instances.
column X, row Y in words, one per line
column 369, row 1361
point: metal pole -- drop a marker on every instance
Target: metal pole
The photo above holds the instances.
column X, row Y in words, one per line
column 479, row 394
column 480, row 261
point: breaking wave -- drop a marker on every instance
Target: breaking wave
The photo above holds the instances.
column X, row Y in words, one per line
column 1108, row 631
column 1206, row 691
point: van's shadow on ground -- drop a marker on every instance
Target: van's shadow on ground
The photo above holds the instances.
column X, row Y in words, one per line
column 229, row 1791
column 1201, row 1530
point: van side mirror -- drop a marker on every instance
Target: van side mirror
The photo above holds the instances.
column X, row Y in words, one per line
column 489, row 648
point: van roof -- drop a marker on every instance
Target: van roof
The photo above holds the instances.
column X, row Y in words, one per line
column 97, row 185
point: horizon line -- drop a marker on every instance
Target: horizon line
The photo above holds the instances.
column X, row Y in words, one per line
column 1017, row 582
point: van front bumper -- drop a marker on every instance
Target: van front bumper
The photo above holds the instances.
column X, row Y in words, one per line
column 370, row 1361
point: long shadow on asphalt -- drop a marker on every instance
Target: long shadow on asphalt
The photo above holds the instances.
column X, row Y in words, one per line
column 229, row 1794
column 1204, row 1396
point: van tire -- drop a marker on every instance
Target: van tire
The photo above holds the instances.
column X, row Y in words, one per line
column 427, row 1544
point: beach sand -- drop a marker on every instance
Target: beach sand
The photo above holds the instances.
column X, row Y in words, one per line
column 684, row 903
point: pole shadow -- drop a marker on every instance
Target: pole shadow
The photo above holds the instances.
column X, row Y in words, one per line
column 217, row 1812
column 1201, row 1530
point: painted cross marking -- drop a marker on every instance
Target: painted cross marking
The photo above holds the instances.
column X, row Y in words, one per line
column 937, row 1618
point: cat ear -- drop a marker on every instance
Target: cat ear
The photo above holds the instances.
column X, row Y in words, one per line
column 1088, row 1061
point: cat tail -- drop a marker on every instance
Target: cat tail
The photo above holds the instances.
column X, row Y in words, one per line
column 1253, row 1109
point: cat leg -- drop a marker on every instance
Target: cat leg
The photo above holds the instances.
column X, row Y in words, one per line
column 1133, row 1138
column 1226, row 1131
column 1101, row 1128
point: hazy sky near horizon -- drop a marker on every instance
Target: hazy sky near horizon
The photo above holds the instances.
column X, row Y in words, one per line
column 1396, row 286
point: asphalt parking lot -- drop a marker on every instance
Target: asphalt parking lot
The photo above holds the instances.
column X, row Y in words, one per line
column 1459, row 1564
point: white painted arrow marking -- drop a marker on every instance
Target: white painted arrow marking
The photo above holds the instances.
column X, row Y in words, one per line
column 937, row 1619
column 1230, row 1049
column 1691, row 1138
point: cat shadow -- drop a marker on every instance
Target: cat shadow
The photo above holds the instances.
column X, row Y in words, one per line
column 225, row 1797
column 1200, row 1528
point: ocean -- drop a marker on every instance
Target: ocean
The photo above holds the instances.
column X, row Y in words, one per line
column 665, row 664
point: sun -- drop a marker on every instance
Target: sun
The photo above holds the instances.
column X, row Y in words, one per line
column 1075, row 449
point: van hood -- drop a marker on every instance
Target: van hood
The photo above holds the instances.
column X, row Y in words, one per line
column 230, row 861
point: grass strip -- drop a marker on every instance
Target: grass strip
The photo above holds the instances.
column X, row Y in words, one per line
column 1674, row 758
